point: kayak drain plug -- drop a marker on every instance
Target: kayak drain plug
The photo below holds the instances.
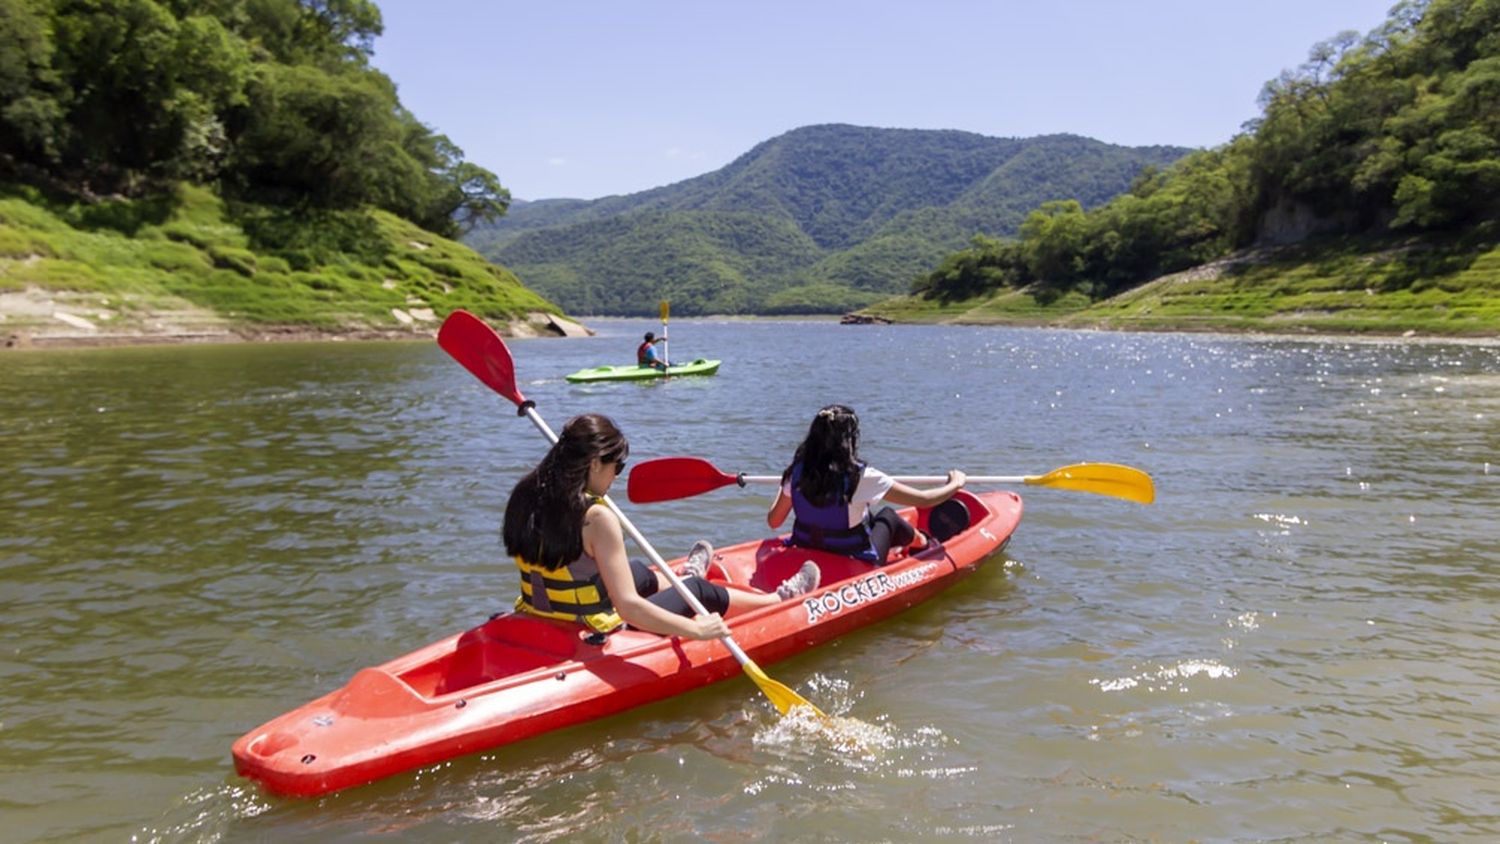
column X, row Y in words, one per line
column 562, row 675
column 308, row 759
column 460, row 704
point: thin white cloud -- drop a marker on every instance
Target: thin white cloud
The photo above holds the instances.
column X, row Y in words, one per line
column 557, row 162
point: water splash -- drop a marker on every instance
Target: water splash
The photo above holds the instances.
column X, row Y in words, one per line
column 806, row 741
column 839, row 734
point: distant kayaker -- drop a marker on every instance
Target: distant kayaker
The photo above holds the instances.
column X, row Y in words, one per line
column 571, row 551
column 646, row 353
column 830, row 490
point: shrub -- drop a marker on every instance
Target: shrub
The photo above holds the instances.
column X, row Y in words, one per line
column 174, row 257
column 15, row 243
column 241, row 261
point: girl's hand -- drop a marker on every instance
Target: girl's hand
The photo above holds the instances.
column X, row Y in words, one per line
column 957, row 478
column 709, row 626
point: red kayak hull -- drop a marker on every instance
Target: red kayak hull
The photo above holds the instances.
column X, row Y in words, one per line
column 517, row 676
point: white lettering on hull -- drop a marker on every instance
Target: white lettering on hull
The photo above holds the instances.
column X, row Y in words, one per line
column 856, row 592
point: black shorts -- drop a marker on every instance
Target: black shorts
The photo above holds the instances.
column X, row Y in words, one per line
column 714, row 597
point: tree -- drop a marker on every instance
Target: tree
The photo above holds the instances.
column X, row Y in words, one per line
column 319, row 138
column 1054, row 238
column 456, row 195
column 274, row 99
column 328, row 33
column 32, row 99
column 479, row 196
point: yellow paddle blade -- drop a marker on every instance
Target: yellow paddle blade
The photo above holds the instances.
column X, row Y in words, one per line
column 664, row 310
column 1113, row 479
column 782, row 697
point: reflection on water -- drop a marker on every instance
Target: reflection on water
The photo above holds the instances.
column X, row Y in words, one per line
column 1297, row 641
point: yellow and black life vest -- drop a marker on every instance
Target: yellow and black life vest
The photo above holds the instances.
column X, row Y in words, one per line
column 574, row 592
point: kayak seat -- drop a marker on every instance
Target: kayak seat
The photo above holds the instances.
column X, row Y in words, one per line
column 504, row 647
column 946, row 520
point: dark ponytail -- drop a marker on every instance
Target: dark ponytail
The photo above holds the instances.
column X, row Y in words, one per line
column 544, row 516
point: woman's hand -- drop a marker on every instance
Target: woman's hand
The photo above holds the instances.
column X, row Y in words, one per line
column 900, row 493
column 710, row 626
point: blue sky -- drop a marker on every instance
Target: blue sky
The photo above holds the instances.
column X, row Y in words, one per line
column 565, row 98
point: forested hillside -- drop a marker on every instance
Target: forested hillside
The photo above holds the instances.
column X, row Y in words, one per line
column 820, row 219
column 222, row 151
column 1379, row 158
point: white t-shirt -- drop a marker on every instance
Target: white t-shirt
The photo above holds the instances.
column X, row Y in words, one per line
column 873, row 485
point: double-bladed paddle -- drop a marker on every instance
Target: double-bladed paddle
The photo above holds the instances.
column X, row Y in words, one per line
column 471, row 342
column 671, row 478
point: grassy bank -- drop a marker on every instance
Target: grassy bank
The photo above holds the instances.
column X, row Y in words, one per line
column 1432, row 286
column 190, row 263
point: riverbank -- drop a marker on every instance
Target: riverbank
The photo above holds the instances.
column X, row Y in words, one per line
column 194, row 269
column 1437, row 287
column 34, row 318
column 189, row 267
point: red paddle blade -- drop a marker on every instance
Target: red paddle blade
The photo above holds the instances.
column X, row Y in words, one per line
column 671, row 478
column 471, row 342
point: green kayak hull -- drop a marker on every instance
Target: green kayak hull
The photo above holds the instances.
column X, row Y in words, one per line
column 630, row 372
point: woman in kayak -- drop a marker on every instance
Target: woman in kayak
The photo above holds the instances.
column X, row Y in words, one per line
column 571, row 551
column 830, row 490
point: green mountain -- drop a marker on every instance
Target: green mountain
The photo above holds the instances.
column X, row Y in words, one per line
column 1366, row 197
column 821, row 219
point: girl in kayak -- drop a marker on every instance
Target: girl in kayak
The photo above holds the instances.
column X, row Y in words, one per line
column 571, row 551
column 830, row 490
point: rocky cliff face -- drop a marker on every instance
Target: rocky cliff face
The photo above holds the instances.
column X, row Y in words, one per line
column 1289, row 222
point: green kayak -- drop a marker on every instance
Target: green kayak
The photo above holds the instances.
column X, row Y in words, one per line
column 630, row 372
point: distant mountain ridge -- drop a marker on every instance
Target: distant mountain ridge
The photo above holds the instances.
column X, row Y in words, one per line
column 823, row 218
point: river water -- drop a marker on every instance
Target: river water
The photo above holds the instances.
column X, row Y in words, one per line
column 1297, row 642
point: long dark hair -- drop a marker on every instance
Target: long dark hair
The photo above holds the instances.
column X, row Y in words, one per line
column 544, row 517
column 829, row 456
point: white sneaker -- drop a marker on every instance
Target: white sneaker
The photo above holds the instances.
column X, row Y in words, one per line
column 697, row 559
column 804, row 581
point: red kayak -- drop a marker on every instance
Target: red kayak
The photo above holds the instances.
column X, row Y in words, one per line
column 518, row 676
